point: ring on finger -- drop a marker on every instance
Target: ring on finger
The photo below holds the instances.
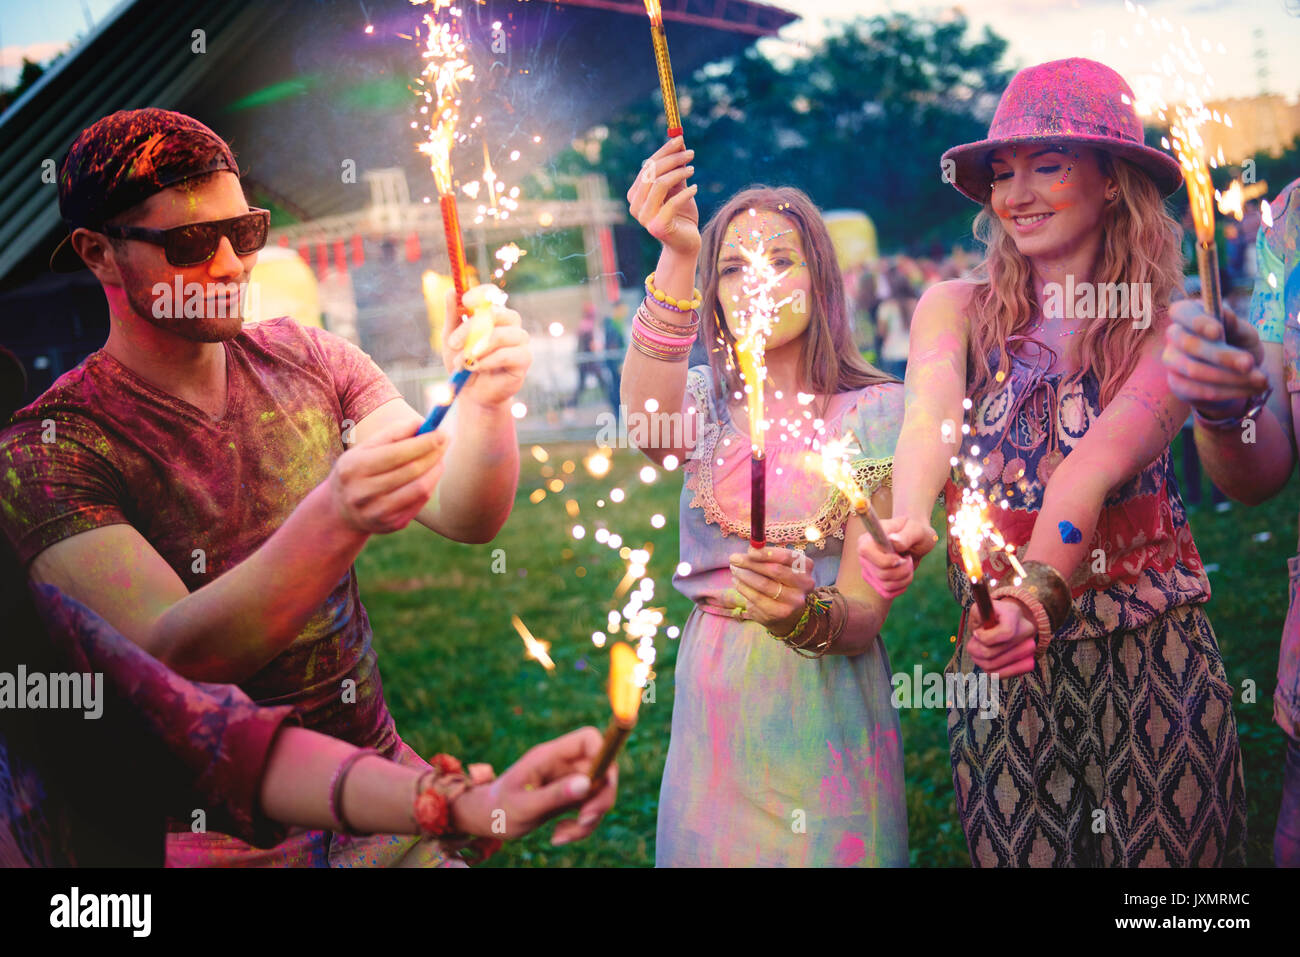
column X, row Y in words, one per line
column 779, row 588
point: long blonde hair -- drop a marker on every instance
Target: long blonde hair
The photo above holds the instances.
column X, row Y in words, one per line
column 831, row 361
column 1140, row 243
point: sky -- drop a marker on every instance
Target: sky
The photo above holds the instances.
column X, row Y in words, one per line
column 1042, row 30
column 1038, row 30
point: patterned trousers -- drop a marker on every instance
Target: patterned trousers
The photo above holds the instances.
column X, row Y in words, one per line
column 1115, row 752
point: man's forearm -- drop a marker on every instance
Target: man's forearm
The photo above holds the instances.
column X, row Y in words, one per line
column 481, row 474
column 1248, row 471
column 229, row 629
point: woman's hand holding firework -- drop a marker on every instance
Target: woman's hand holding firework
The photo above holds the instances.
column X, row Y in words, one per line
column 890, row 573
column 381, row 484
column 661, row 201
column 548, row 780
column 501, row 358
column 775, row 592
column 1216, row 369
column 1007, row 648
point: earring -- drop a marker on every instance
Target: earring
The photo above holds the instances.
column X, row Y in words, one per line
column 1112, row 196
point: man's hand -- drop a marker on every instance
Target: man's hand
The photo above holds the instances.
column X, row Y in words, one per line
column 1214, row 368
column 501, row 361
column 548, row 780
column 381, row 483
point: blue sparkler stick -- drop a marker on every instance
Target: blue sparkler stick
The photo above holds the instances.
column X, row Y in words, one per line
column 439, row 412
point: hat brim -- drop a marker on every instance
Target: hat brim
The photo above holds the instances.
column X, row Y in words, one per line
column 65, row 258
column 972, row 178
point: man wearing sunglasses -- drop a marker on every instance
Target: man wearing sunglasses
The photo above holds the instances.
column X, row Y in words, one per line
column 205, row 486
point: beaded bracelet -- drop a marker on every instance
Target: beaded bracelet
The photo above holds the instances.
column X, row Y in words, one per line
column 676, row 305
column 341, row 826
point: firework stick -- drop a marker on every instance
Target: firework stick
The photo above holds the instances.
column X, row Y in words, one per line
column 455, row 245
column 757, row 500
column 872, row 521
column 1207, row 264
column 665, row 67
column 980, row 590
column 616, row 736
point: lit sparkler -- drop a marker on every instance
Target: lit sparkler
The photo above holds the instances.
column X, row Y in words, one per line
column 665, row 67
column 754, row 325
column 972, row 529
column 835, row 458
column 625, row 700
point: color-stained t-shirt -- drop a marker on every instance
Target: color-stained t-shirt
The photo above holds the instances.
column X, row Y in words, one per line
column 1275, row 306
column 103, row 447
column 97, row 792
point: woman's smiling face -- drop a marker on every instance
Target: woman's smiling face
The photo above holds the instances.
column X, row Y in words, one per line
column 1050, row 197
column 778, row 238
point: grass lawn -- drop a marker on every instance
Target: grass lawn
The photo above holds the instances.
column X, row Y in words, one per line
column 457, row 680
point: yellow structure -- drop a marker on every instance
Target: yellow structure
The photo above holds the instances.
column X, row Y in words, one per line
column 281, row 284
column 854, row 236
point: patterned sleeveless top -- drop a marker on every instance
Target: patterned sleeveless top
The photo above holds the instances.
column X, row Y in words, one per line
column 1141, row 561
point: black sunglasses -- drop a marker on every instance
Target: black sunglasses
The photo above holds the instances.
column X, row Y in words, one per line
column 196, row 243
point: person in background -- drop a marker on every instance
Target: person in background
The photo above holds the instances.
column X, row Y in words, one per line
column 1242, row 380
column 615, row 343
column 895, row 322
column 588, row 365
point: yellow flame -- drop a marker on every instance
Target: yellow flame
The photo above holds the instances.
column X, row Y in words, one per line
column 837, row 470
column 624, row 695
column 656, row 14
column 749, row 353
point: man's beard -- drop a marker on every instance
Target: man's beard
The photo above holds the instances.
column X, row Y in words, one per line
column 205, row 328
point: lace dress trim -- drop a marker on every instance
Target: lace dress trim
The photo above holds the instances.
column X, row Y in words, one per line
column 829, row 521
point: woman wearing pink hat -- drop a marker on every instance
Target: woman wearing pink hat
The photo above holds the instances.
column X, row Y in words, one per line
column 1115, row 743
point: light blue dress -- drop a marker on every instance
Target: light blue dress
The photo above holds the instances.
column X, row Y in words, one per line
column 774, row 759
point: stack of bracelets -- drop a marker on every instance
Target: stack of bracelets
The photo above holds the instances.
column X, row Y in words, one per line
column 1047, row 596
column 435, row 791
column 824, row 616
column 659, row 339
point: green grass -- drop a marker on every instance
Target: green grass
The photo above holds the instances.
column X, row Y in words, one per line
column 456, row 678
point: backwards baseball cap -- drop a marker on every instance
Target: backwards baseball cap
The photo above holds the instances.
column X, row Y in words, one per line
column 125, row 158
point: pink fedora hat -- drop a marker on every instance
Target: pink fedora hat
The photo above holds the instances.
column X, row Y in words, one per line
column 1076, row 101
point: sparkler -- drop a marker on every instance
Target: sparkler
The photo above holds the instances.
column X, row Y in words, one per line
column 1188, row 146
column 971, row 528
column 665, row 67
column 625, row 699
column 837, row 470
column 438, row 85
column 754, row 326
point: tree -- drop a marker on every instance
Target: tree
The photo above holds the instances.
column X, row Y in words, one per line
column 27, row 77
column 861, row 122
